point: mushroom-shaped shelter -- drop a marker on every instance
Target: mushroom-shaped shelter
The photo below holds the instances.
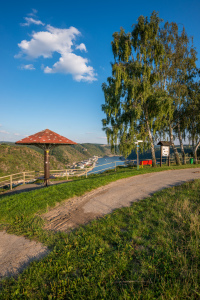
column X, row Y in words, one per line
column 46, row 140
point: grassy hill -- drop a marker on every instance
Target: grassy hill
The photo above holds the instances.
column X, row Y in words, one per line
column 14, row 158
column 75, row 153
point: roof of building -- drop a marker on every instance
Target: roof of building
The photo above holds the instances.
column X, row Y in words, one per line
column 46, row 137
column 164, row 143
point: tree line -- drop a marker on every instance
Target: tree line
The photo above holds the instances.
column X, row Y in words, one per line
column 154, row 90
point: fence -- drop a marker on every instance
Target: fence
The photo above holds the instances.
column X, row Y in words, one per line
column 13, row 180
column 16, row 179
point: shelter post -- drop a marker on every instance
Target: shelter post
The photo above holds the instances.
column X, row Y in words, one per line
column 46, row 167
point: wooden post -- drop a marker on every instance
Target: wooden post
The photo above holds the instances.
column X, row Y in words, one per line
column 86, row 174
column 23, row 177
column 115, row 167
column 11, row 182
column 66, row 174
column 160, row 156
column 168, row 160
column 138, row 157
column 46, row 167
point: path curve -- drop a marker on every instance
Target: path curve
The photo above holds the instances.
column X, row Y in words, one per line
column 80, row 210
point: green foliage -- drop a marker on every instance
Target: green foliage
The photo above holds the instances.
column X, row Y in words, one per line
column 133, row 99
column 147, row 94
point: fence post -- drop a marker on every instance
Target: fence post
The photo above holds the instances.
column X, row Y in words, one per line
column 23, row 177
column 11, row 182
column 86, row 174
column 115, row 167
column 142, row 164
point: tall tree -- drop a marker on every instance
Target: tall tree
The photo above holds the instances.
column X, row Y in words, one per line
column 193, row 116
column 133, row 97
column 180, row 58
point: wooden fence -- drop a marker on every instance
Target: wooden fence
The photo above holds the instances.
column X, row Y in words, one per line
column 10, row 181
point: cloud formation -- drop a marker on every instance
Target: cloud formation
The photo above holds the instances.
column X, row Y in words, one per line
column 5, row 132
column 30, row 21
column 33, row 13
column 27, row 67
column 54, row 40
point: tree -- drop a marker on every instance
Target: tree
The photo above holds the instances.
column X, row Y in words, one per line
column 134, row 101
column 193, row 116
column 179, row 63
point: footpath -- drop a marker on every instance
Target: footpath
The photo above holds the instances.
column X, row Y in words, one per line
column 17, row 252
column 81, row 210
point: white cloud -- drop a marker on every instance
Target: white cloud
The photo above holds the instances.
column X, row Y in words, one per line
column 3, row 131
column 16, row 134
column 45, row 43
column 33, row 13
column 81, row 47
column 30, row 21
column 71, row 63
column 27, row 67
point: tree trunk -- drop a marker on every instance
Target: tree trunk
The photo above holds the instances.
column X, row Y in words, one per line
column 181, row 145
column 195, row 152
column 152, row 145
column 177, row 159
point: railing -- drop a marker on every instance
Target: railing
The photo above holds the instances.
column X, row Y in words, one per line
column 16, row 179
column 10, row 181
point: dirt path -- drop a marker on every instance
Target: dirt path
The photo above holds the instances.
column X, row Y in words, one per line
column 16, row 253
column 121, row 193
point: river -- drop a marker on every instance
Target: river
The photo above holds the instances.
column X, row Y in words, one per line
column 110, row 160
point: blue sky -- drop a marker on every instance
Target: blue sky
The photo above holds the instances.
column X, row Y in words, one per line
column 55, row 55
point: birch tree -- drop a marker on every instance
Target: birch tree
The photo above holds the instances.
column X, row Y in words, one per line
column 180, row 60
column 193, row 117
column 133, row 98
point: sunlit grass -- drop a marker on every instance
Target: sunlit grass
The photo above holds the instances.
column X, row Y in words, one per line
column 150, row 250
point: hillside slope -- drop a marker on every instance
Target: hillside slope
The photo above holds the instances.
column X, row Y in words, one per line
column 75, row 153
column 15, row 159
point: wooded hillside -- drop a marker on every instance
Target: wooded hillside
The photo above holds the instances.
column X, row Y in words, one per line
column 14, row 159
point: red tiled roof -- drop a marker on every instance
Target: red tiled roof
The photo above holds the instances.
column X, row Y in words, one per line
column 46, row 137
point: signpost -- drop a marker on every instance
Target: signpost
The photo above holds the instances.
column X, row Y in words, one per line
column 164, row 151
column 137, row 143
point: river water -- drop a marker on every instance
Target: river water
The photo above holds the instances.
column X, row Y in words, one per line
column 106, row 162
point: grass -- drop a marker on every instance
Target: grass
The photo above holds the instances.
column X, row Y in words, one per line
column 147, row 251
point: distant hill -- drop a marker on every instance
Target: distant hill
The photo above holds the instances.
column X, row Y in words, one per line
column 15, row 158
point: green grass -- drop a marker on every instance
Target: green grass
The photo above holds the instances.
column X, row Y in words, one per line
column 147, row 251
column 27, row 204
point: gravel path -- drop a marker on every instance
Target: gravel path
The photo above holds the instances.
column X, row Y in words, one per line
column 16, row 253
column 80, row 210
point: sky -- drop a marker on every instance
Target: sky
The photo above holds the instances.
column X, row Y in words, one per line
column 55, row 55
